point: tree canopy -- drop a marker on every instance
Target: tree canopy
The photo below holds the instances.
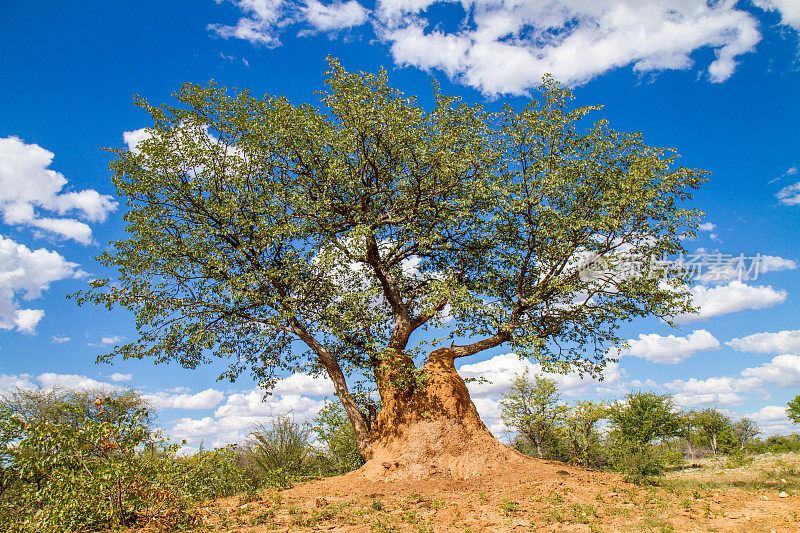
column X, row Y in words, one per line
column 254, row 223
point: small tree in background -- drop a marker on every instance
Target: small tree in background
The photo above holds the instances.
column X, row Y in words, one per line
column 531, row 408
column 636, row 422
column 716, row 429
column 745, row 430
column 333, row 429
column 580, row 431
column 644, row 417
column 793, row 410
column 688, row 431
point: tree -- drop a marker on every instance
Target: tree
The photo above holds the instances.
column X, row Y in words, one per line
column 715, row 428
column 580, row 430
column 688, row 430
column 532, row 408
column 333, row 429
column 745, row 430
column 257, row 226
column 793, row 410
column 636, row 422
column 643, row 417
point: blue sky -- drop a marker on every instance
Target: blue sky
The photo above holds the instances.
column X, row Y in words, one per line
column 720, row 83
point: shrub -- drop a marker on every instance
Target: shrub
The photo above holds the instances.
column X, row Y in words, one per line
column 334, row 431
column 71, row 462
column 640, row 463
column 280, row 454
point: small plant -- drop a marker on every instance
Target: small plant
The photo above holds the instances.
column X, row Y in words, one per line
column 377, row 505
column 509, row 507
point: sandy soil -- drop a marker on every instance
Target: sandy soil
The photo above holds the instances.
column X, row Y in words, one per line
column 538, row 496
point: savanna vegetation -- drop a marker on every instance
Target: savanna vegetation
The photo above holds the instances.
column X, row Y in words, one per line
column 91, row 460
column 642, row 434
column 256, row 226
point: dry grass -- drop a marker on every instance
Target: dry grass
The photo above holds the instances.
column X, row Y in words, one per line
column 546, row 497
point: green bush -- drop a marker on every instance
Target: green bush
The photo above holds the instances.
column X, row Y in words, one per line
column 281, row 454
column 335, row 433
column 639, row 463
column 71, row 462
column 776, row 444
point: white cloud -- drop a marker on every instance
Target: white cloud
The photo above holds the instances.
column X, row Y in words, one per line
column 506, row 47
column 789, row 195
column 334, row 16
column 724, row 267
column 240, row 414
column 670, row 349
column 261, row 24
column 27, row 274
column 304, row 384
column 771, row 263
column 783, row 372
column 780, row 342
column 712, row 391
column 770, row 413
column 50, row 380
column 772, row 420
column 706, row 226
column 500, row 371
column 265, row 20
column 133, row 138
column 58, row 339
column 111, row 340
column 789, row 10
column 116, row 376
column 28, row 186
column 207, row 399
column 10, row 383
column 730, row 298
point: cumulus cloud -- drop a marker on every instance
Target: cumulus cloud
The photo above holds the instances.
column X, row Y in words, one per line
column 207, row 399
column 50, row 380
column 500, row 371
column 723, row 268
column 334, row 16
column 110, row 340
column 712, row 391
column 782, row 372
column 304, row 384
column 117, row 376
column 265, row 20
column 789, row 10
column 779, row 342
column 706, row 226
column 9, row 383
column 133, row 138
column 506, row 47
column 730, row 298
column 59, row 339
column 240, row 414
column 25, row 274
column 772, row 419
column 670, row 349
column 28, row 186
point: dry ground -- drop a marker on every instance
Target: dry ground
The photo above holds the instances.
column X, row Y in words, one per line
column 543, row 496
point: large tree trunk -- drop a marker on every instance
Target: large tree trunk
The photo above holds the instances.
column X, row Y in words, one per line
column 433, row 430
